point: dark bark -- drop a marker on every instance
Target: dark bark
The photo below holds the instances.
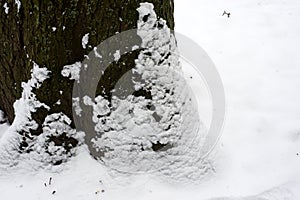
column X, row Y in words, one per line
column 27, row 36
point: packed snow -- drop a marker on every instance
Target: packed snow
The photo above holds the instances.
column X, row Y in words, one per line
column 23, row 123
column 255, row 51
column 6, row 8
column 96, row 53
column 72, row 71
column 76, row 106
column 85, row 40
column 18, row 3
column 132, row 130
column 258, row 156
column 117, row 55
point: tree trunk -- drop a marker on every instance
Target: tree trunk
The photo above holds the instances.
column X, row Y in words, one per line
column 49, row 33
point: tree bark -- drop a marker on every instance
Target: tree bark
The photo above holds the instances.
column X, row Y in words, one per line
column 49, row 33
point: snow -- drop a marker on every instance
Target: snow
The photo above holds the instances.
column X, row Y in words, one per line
column 76, row 106
column 85, row 40
column 55, row 125
column 3, row 126
column 117, row 55
column 6, row 8
column 255, row 51
column 72, row 71
column 97, row 54
column 135, row 47
column 58, row 102
column 23, row 122
column 2, row 118
column 41, row 151
column 18, row 2
column 128, row 131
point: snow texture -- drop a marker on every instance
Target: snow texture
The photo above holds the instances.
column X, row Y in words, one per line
column 76, row 106
column 3, row 123
column 97, row 54
column 18, row 2
column 256, row 52
column 58, row 102
column 56, row 125
column 23, row 123
column 6, row 8
column 85, row 40
column 40, row 150
column 135, row 47
column 2, row 118
column 72, row 71
column 130, row 130
column 279, row 193
column 117, row 55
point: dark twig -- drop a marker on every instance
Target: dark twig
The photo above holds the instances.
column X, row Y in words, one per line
column 226, row 13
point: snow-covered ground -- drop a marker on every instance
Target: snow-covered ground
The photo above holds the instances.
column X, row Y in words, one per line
column 255, row 51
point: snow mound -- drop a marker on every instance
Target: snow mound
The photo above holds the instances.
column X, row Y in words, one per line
column 159, row 132
column 20, row 149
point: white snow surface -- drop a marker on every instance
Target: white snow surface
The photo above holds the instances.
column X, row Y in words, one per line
column 256, row 53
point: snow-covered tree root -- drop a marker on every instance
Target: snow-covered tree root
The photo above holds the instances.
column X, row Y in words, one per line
column 162, row 134
column 20, row 149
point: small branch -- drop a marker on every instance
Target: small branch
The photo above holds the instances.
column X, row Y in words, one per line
column 226, row 13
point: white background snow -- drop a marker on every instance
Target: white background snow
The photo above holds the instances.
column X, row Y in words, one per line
column 256, row 53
